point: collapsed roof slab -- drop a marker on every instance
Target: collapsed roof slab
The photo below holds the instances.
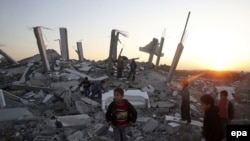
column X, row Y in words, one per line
column 14, row 114
column 74, row 120
column 137, row 98
column 177, row 119
column 85, row 75
column 31, row 88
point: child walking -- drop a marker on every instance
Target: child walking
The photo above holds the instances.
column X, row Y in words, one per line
column 120, row 114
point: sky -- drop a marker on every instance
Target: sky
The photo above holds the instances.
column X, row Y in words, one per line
column 217, row 37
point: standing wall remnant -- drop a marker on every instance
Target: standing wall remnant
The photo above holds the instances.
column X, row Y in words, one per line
column 160, row 52
column 79, row 51
column 177, row 54
column 64, row 43
column 41, row 47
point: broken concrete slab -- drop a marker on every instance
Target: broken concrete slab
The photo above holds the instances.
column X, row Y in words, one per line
column 76, row 136
column 74, row 120
column 150, row 125
column 100, row 129
column 14, row 113
column 64, row 85
column 21, row 86
column 90, row 101
column 2, row 100
column 83, row 108
column 178, row 120
column 48, row 99
column 172, row 127
column 148, row 88
column 84, row 75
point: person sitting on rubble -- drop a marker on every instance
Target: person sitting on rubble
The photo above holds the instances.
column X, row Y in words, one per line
column 97, row 89
column 133, row 67
column 119, row 67
column 185, row 103
column 86, row 86
column 120, row 114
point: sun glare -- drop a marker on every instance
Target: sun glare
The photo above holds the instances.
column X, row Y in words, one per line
column 211, row 48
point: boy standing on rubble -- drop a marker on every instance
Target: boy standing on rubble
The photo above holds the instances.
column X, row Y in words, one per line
column 212, row 127
column 120, row 114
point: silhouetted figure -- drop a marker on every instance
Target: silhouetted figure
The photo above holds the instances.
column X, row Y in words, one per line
column 185, row 103
column 212, row 127
column 226, row 109
column 133, row 67
column 120, row 67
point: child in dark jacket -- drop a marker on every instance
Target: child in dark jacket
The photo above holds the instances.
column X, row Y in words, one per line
column 212, row 126
column 120, row 114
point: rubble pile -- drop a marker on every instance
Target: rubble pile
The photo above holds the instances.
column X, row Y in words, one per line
column 49, row 106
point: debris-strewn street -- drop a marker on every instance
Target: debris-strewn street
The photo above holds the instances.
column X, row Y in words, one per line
column 40, row 105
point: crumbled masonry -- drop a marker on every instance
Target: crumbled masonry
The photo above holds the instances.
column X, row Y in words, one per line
column 39, row 105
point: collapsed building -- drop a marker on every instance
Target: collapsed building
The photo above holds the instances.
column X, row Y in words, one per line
column 41, row 100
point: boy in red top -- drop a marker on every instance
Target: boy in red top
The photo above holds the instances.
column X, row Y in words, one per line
column 120, row 114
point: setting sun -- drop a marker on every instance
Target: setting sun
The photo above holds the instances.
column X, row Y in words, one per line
column 214, row 47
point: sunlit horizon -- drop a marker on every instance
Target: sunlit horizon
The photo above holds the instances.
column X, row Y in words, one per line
column 217, row 34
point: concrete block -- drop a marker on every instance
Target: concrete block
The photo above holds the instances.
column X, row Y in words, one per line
column 165, row 104
column 29, row 95
column 40, row 94
column 2, row 99
column 83, row 108
column 48, row 99
column 172, row 128
column 74, row 120
column 75, row 136
column 14, row 114
column 143, row 119
column 90, row 101
column 100, row 129
column 42, row 138
column 150, row 125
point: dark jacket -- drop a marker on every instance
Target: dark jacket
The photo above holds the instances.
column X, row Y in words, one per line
column 111, row 113
column 230, row 110
column 212, row 127
column 85, row 84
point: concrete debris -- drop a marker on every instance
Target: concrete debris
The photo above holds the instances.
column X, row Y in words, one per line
column 74, row 120
column 75, row 136
column 150, row 125
column 14, row 114
column 37, row 104
column 172, row 127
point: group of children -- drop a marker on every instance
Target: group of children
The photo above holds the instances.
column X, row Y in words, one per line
column 216, row 115
column 121, row 113
column 93, row 89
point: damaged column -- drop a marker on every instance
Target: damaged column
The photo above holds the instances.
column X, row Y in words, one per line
column 10, row 59
column 41, row 47
column 177, row 54
column 79, row 51
column 64, row 43
column 150, row 48
column 113, row 47
column 159, row 52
